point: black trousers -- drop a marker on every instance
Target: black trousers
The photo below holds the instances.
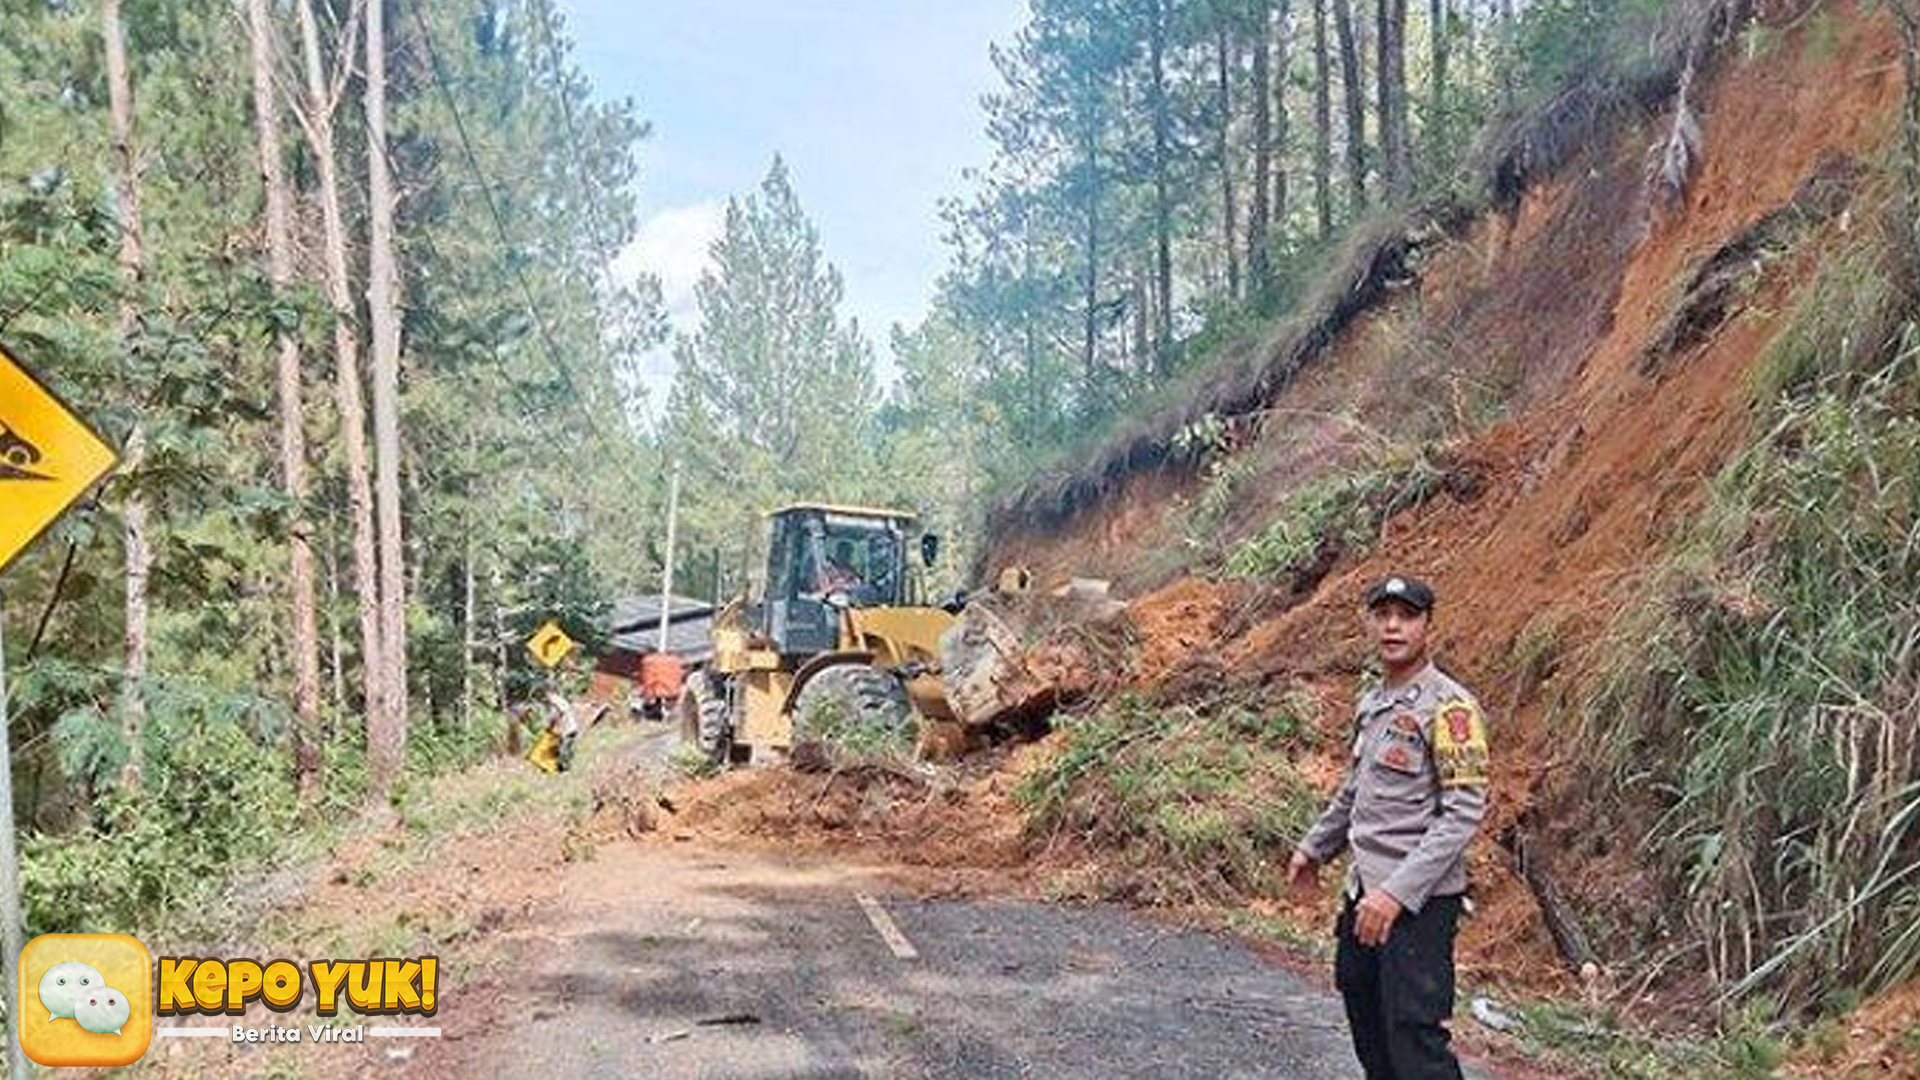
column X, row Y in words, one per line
column 1399, row 995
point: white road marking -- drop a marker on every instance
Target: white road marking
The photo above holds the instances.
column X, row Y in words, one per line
column 889, row 933
column 404, row 1033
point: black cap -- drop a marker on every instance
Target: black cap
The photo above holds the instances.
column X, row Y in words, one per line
column 1412, row 592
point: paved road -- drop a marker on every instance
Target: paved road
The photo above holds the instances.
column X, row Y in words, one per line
column 668, row 962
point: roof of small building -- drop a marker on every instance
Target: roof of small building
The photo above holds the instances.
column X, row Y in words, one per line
column 855, row 511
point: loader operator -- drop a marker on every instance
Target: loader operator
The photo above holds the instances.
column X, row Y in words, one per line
column 1413, row 796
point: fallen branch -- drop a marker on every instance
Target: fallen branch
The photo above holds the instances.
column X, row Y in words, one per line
column 1562, row 924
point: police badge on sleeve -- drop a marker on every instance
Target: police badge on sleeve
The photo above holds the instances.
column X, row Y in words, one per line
column 1460, row 744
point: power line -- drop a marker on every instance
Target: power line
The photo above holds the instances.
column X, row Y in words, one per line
column 584, row 177
column 493, row 211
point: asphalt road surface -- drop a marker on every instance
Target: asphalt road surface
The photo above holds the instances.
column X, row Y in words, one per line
column 668, row 961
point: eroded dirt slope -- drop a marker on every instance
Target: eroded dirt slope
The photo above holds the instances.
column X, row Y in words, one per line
column 1624, row 390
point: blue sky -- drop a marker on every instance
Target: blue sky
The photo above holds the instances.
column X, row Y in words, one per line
column 874, row 104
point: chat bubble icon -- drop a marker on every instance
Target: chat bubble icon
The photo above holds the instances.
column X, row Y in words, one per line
column 102, row 1011
column 63, row 984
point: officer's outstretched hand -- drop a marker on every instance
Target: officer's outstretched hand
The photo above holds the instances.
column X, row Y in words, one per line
column 1373, row 919
column 1303, row 876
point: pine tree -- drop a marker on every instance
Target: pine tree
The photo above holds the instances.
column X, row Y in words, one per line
column 773, row 394
column 1396, row 161
column 1160, row 104
column 136, row 514
column 387, row 717
column 319, row 105
column 304, row 639
column 1322, row 123
column 1353, row 85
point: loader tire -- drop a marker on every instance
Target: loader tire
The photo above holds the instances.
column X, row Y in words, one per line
column 706, row 721
column 857, row 704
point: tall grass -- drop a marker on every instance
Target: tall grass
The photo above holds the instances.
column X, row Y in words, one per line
column 1767, row 694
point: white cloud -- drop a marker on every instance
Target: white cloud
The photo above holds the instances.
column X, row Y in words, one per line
column 673, row 246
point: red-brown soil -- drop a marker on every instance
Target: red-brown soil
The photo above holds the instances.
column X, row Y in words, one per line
column 1600, row 462
column 1594, row 460
column 1881, row 1039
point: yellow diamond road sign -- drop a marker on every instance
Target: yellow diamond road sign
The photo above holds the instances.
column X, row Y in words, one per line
column 49, row 457
column 550, row 644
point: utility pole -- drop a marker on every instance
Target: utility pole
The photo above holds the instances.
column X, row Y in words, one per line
column 9, row 868
column 666, row 566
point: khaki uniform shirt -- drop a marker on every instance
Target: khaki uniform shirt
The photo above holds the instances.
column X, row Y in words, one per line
column 1414, row 794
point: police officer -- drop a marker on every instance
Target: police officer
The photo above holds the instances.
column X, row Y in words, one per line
column 1413, row 796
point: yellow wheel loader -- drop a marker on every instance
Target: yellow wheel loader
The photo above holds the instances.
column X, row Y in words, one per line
column 841, row 633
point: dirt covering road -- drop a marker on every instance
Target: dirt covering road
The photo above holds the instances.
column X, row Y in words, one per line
column 579, row 936
column 672, row 957
column 676, row 963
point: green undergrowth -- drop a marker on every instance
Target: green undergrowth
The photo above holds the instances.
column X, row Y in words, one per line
column 216, row 811
column 1199, row 803
column 1345, row 510
column 692, row 762
column 1590, row 1042
column 1762, row 697
column 846, row 738
column 1338, row 512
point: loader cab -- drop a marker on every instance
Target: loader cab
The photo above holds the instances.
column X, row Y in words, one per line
column 824, row 560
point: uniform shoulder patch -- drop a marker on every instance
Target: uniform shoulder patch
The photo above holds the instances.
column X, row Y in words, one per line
column 1460, row 744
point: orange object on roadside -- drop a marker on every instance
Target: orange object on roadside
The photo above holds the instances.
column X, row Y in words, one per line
column 661, row 675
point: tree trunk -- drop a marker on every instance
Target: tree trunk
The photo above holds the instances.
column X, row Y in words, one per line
column 1908, row 14
column 469, row 660
column 317, row 121
column 1162, row 196
column 501, row 668
column 1029, row 341
column 1563, row 926
column 1259, row 208
column 1354, row 86
column 305, row 639
column 1133, row 338
column 387, row 746
column 1395, row 163
column 1439, row 18
column 1229, row 214
column 337, row 649
column 1090, row 297
column 135, row 516
column 1505, row 54
column 1322, row 122
column 1282, row 120
column 1090, row 246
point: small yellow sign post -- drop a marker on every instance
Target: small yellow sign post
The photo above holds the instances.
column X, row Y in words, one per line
column 550, row 644
column 49, row 457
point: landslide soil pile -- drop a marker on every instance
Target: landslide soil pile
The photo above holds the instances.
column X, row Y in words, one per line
column 1578, row 365
column 1615, row 335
